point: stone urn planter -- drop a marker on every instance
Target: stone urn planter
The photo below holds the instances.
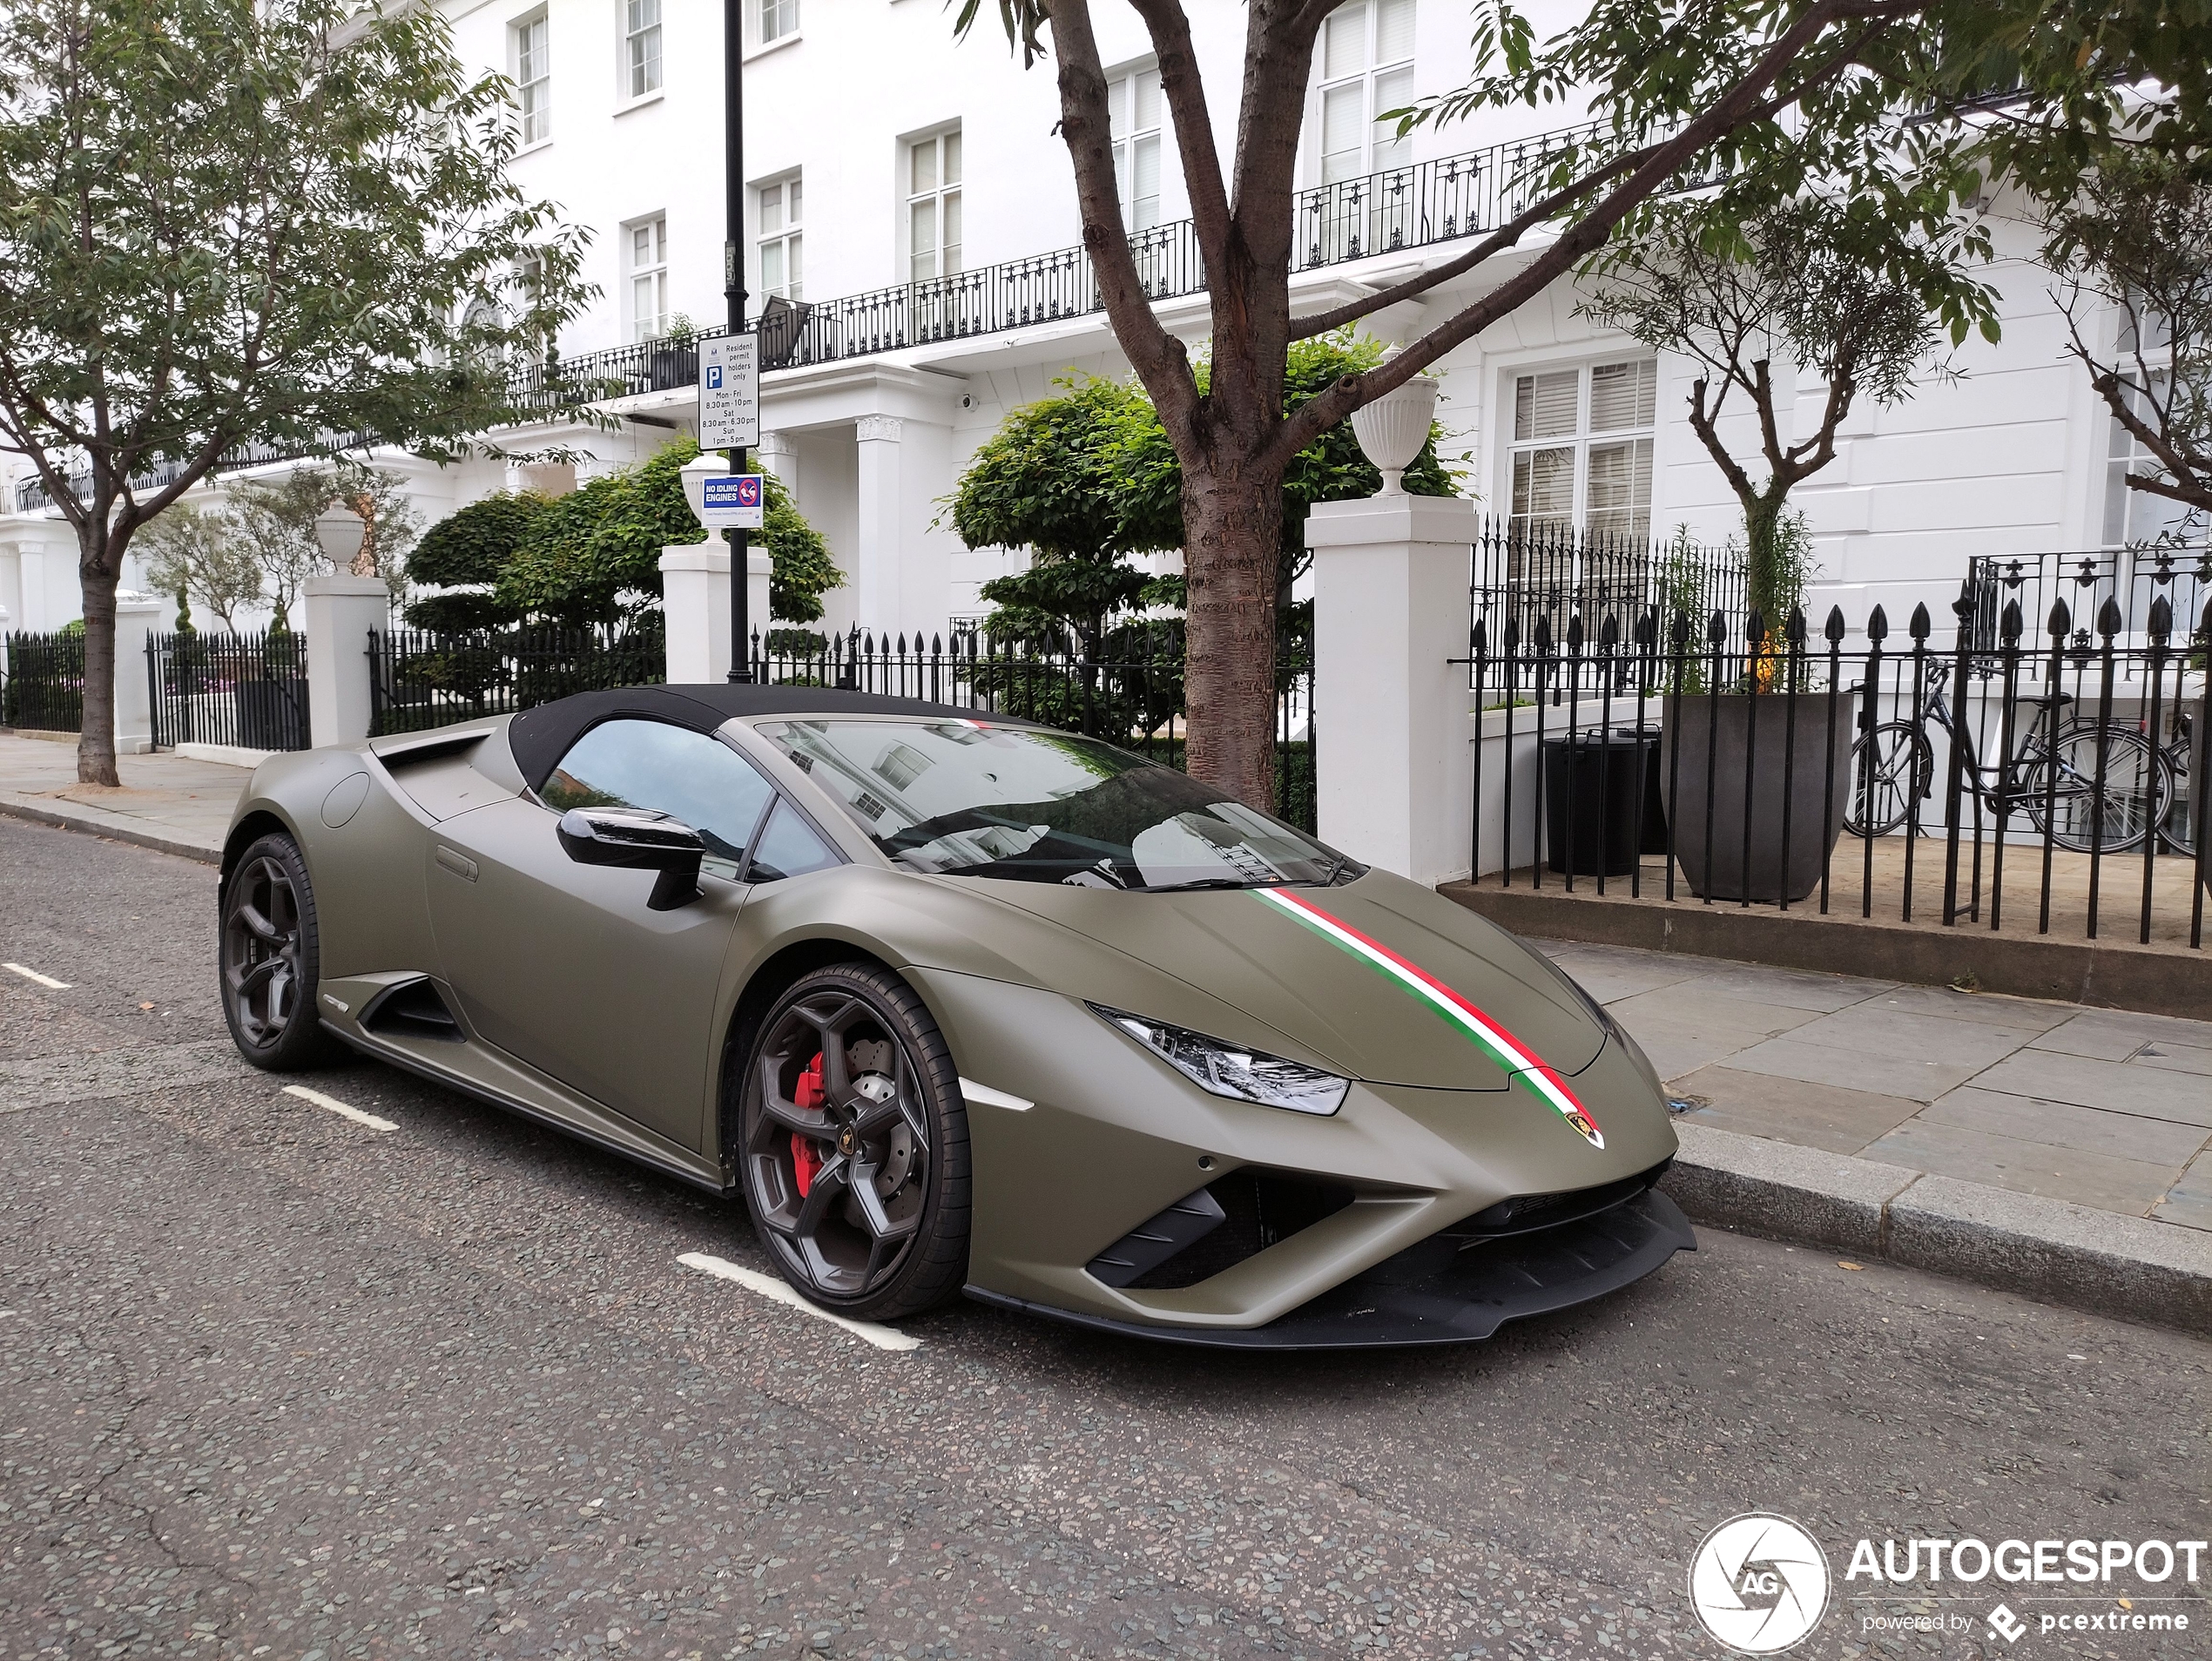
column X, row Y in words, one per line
column 1743, row 746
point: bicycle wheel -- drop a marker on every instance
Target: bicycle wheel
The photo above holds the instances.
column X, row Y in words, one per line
column 1889, row 767
column 2059, row 788
column 2178, row 830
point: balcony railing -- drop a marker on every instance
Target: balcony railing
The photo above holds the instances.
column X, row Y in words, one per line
column 1402, row 208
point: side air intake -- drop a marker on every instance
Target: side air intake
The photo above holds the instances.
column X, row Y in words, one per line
column 1216, row 1227
column 412, row 1010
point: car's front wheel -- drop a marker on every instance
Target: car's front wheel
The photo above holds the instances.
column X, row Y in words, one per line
column 270, row 958
column 854, row 1143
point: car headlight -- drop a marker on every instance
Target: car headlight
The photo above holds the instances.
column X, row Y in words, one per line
column 1224, row 1069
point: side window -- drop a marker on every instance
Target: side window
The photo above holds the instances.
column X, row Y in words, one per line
column 789, row 847
column 670, row 769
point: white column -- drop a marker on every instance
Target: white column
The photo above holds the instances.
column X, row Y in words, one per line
column 3, row 644
column 695, row 607
column 1390, row 610
column 875, row 600
column 341, row 610
column 135, row 619
column 776, row 454
column 758, row 565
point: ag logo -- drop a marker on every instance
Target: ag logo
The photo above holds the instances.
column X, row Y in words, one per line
column 1759, row 1583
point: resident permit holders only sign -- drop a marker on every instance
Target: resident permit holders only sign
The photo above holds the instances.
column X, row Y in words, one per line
column 733, row 502
column 730, row 392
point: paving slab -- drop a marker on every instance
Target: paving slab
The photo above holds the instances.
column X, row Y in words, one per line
column 2120, row 1087
column 1813, row 1115
column 1791, row 989
column 2063, row 1125
column 2128, row 1187
column 1610, row 972
column 2115, row 1034
column 2175, row 1057
column 1684, row 1026
column 1986, row 1008
column 2189, row 1201
column 1875, row 1027
column 1884, row 1072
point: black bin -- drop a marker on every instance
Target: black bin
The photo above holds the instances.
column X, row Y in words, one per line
column 1597, row 788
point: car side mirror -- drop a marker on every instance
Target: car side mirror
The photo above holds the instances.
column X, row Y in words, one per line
column 637, row 838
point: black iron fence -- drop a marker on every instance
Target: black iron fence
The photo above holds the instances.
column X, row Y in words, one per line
column 2063, row 771
column 2133, row 578
column 245, row 690
column 418, row 679
column 42, row 684
column 1532, row 575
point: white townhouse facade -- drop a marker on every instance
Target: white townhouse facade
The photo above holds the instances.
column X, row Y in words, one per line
column 910, row 203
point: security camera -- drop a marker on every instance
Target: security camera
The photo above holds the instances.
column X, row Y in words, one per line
column 967, row 401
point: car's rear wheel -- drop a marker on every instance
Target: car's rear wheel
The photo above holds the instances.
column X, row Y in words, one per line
column 271, row 958
column 854, row 1144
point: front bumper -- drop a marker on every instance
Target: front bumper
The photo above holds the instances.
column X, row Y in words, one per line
column 1445, row 1289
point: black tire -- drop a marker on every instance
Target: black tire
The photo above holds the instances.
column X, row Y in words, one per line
column 861, row 1196
column 1882, row 792
column 269, row 953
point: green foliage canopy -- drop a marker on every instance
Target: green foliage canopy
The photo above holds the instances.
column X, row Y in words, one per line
column 581, row 552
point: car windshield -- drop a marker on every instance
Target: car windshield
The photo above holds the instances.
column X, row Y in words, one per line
column 966, row 798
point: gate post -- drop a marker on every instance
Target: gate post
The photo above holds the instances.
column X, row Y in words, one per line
column 135, row 622
column 342, row 611
column 1390, row 613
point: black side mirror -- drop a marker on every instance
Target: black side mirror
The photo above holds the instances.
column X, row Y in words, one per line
column 637, row 838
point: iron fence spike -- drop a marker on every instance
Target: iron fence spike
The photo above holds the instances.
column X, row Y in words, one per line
column 1877, row 624
column 1921, row 624
column 2011, row 624
column 2110, row 621
column 2062, row 619
column 1793, row 630
column 1717, row 629
column 2161, row 619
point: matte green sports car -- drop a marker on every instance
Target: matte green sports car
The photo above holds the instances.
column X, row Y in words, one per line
column 959, row 1004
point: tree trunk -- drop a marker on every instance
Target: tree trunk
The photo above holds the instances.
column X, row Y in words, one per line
column 1232, row 528
column 96, row 573
column 1762, row 516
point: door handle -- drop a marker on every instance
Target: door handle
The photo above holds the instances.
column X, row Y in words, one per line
column 460, row 865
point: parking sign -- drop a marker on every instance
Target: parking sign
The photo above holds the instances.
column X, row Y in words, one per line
column 729, row 392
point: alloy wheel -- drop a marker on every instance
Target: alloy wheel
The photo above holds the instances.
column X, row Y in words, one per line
column 837, row 1144
column 261, row 943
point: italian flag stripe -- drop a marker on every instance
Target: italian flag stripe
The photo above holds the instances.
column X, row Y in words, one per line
column 1522, row 1064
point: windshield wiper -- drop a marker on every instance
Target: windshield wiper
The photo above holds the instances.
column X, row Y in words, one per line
column 1204, row 882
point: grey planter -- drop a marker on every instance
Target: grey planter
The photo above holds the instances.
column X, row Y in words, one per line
column 1711, row 738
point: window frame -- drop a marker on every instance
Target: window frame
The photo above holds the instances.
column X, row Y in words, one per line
column 632, row 271
column 1371, row 70
column 1121, row 108
column 792, row 231
column 518, row 33
column 1581, row 442
column 627, row 92
column 759, row 11
column 939, row 193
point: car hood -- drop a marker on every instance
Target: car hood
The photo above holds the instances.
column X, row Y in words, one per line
column 1365, row 977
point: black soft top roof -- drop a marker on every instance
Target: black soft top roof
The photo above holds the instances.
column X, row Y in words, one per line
column 541, row 736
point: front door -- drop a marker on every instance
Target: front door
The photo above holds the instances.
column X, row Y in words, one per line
column 561, row 965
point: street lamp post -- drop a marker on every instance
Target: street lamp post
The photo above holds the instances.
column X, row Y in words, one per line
column 733, row 288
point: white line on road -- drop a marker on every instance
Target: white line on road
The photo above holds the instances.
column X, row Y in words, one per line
column 340, row 1108
column 46, row 980
column 777, row 1291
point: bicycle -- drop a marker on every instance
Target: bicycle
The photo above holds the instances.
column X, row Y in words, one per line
column 2052, row 777
column 2178, row 829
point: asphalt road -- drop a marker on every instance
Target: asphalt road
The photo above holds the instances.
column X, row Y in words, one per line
column 274, row 1382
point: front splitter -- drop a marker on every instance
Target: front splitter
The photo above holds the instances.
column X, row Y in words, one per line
column 1443, row 1290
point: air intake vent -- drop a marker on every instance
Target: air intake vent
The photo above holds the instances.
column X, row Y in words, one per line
column 413, row 1009
column 1216, row 1228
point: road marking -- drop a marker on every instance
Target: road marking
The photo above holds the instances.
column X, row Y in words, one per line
column 46, row 980
column 989, row 1097
column 340, row 1108
column 777, row 1291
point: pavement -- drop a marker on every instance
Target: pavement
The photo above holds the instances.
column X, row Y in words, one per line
column 276, row 1382
column 166, row 802
column 2038, row 1146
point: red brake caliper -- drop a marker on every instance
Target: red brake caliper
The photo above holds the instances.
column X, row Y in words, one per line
column 806, row 1159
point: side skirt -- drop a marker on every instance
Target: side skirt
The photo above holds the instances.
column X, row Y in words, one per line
column 707, row 1178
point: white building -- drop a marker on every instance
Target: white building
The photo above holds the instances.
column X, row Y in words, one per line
column 883, row 158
